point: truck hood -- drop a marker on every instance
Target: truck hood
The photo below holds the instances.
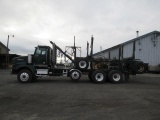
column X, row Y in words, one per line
column 18, row 60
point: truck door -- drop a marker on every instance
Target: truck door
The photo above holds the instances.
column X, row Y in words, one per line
column 41, row 56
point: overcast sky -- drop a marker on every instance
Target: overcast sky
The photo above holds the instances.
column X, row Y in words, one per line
column 35, row 22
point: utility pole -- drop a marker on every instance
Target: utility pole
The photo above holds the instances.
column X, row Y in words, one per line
column 7, row 53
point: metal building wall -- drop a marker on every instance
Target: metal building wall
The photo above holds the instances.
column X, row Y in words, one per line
column 145, row 48
column 106, row 54
column 96, row 56
column 114, row 53
column 103, row 54
column 148, row 50
column 127, row 50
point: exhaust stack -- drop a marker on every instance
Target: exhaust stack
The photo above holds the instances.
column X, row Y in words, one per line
column 87, row 48
column 137, row 33
column 92, row 38
column 29, row 58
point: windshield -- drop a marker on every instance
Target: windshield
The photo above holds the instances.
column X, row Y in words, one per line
column 41, row 51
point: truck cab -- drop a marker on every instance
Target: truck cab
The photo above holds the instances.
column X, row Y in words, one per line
column 42, row 56
column 43, row 62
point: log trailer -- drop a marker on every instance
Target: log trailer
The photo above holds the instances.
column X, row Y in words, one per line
column 44, row 63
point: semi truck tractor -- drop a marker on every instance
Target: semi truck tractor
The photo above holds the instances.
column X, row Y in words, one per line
column 99, row 70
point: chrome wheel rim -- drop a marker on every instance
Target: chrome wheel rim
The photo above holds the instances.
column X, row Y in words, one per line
column 24, row 76
column 75, row 75
column 82, row 64
column 99, row 77
column 116, row 77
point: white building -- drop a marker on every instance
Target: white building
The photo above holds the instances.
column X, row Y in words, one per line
column 145, row 48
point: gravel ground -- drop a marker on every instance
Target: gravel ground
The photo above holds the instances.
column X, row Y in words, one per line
column 58, row 98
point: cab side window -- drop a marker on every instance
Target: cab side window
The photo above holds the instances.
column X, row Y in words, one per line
column 41, row 56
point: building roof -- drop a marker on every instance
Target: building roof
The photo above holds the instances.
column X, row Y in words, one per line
column 129, row 41
column 4, row 46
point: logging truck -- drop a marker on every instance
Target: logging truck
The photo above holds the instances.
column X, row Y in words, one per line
column 99, row 70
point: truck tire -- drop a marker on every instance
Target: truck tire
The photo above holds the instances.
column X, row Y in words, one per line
column 75, row 75
column 140, row 68
column 115, row 76
column 24, row 76
column 82, row 64
column 98, row 76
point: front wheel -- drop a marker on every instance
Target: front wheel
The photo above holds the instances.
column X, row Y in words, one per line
column 115, row 76
column 98, row 76
column 24, row 76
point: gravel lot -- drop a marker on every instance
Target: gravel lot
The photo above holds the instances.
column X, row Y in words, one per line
column 58, row 98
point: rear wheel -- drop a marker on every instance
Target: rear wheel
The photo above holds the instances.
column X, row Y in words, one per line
column 75, row 75
column 98, row 76
column 115, row 76
column 140, row 68
column 24, row 76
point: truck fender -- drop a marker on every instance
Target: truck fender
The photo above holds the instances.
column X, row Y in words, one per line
column 29, row 67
